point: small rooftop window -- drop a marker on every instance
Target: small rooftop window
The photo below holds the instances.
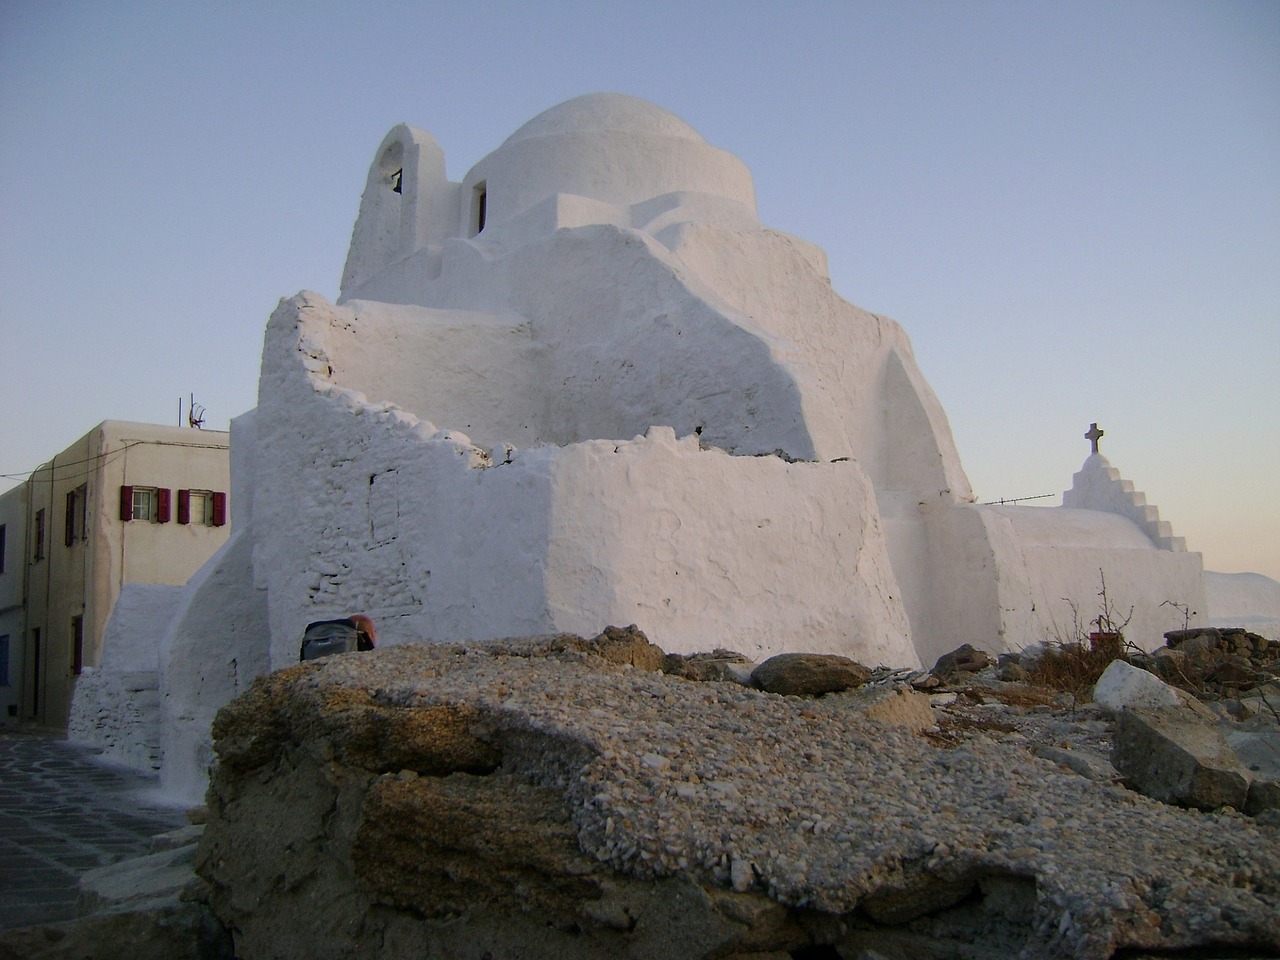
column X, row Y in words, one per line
column 479, row 207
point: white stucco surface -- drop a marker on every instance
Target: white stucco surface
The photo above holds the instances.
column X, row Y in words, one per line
column 215, row 644
column 116, row 705
column 620, row 399
column 689, row 540
column 1070, row 556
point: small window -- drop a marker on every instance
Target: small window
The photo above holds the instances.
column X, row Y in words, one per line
column 204, row 508
column 479, row 207
column 38, row 537
column 3, row 546
column 77, row 515
column 195, row 506
column 145, row 503
column 151, row 504
column 4, row 660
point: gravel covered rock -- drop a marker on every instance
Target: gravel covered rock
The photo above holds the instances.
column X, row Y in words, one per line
column 457, row 799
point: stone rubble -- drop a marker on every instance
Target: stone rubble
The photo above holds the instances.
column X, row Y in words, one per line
column 1218, row 662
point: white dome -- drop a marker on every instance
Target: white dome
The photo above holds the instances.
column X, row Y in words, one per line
column 609, row 148
column 599, row 112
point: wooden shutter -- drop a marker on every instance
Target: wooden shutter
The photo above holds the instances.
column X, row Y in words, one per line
column 126, row 503
column 219, row 509
column 184, row 506
column 164, row 502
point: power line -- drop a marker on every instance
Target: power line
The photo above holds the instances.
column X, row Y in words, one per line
column 52, row 467
column 96, row 459
column 1038, row 496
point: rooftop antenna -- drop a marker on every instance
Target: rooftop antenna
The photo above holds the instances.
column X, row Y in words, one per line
column 195, row 414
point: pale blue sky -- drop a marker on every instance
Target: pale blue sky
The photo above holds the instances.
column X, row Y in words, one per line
column 1073, row 208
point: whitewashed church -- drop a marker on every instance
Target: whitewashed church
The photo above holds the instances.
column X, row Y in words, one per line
column 586, row 386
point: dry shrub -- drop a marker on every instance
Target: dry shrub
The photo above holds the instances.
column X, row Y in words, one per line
column 1074, row 667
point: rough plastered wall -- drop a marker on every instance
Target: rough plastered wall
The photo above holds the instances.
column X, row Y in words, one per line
column 599, row 358
column 947, row 570
column 734, row 332
column 116, row 705
column 342, row 488
column 215, row 642
column 364, row 507
column 696, row 546
column 1065, row 556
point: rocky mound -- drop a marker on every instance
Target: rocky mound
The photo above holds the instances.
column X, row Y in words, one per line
column 563, row 798
column 1214, row 663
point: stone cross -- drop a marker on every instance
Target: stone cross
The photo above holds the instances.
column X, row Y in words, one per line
column 1094, row 435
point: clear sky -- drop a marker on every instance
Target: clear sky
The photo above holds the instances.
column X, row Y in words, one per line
column 1073, row 208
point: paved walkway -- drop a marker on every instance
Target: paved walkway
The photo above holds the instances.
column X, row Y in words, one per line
column 62, row 812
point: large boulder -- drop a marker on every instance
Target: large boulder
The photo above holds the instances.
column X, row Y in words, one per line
column 1174, row 756
column 1123, row 686
column 1258, row 748
column 809, row 674
column 965, row 658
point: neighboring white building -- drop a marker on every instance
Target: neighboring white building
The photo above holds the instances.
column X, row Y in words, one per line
column 586, row 386
column 127, row 503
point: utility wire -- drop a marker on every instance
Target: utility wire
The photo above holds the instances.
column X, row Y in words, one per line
column 53, row 467
column 104, row 457
column 1038, row 496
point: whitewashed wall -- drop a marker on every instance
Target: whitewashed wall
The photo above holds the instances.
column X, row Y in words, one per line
column 116, row 705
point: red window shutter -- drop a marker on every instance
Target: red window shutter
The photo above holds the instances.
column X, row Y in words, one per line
column 126, row 503
column 69, row 533
column 164, row 499
column 184, row 506
column 219, row 509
